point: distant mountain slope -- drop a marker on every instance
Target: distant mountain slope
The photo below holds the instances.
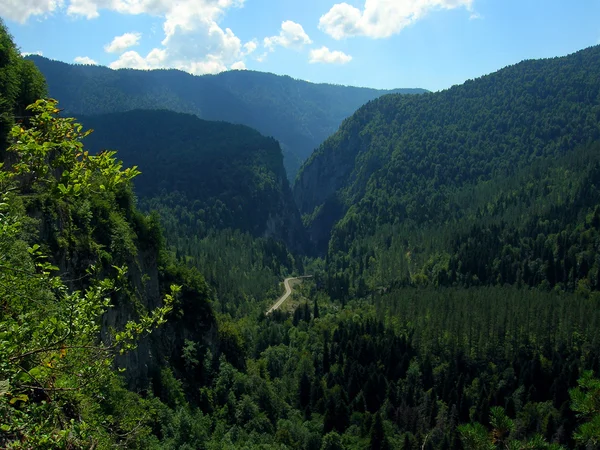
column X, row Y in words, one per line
column 299, row 114
column 223, row 175
column 400, row 159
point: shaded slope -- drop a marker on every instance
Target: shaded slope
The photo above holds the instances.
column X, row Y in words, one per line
column 228, row 176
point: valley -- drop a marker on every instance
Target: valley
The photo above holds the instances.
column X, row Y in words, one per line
column 439, row 254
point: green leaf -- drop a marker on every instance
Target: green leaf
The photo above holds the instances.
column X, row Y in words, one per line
column 19, row 398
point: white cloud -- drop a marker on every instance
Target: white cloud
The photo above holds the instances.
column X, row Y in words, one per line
column 324, row 55
column 475, row 16
column 38, row 53
column 250, row 47
column 238, row 66
column 85, row 60
column 205, row 49
column 291, row 35
column 262, row 57
column 21, row 10
column 121, row 43
column 90, row 8
column 193, row 39
column 381, row 18
column 133, row 60
column 209, row 65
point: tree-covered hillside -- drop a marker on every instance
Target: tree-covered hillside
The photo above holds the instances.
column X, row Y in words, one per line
column 299, row 114
column 421, row 146
column 423, row 177
column 222, row 175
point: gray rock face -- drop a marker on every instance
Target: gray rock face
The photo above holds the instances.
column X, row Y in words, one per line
column 325, row 181
column 285, row 223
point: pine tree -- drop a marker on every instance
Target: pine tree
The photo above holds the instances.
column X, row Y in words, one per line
column 378, row 439
column 326, row 364
column 304, row 391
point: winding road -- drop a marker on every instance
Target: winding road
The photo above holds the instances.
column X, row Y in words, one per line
column 288, row 292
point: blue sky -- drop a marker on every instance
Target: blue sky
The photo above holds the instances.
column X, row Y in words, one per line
column 432, row 44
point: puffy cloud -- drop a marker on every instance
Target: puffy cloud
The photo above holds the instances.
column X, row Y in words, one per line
column 21, row 10
column 86, row 8
column 85, row 60
column 205, row 49
column 90, row 8
column 324, row 55
column 133, row 60
column 262, row 57
column 193, row 39
column 291, row 35
column 381, row 18
column 210, row 65
column 130, row 60
column 38, row 53
column 121, row 43
column 238, row 66
column 250, row 47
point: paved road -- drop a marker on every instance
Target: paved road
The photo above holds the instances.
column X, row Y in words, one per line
column 288, row 292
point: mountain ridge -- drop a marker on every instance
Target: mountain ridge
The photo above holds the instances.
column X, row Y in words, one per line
column 298, row 113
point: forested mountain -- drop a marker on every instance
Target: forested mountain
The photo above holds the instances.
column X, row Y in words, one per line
column 297, row 113
column 427, row 176
column 223, row 175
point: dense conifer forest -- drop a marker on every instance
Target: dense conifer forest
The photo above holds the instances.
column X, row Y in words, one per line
column 455, row 262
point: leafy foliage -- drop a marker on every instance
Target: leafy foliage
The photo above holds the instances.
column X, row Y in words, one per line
column 54, row 365
column 416, row 369
column 244, row 271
